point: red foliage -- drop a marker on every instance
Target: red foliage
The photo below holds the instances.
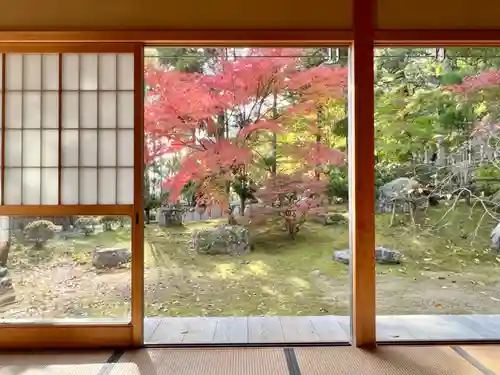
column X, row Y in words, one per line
column 479, row 81
column 184, row 110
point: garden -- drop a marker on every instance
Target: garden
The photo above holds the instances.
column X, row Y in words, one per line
column 246, row 193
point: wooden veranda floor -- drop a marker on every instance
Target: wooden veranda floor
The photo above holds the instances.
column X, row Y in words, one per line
column 316, row 329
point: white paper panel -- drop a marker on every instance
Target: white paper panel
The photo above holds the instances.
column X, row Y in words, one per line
column 88, row 110
column 70, row 109
column 88, row 145
column 107, row 109
column 107, row 148
column 89, row 138
column 31, row 186
column 88, row 186
column 50, row 185
column 13, row 149
column 125, row 110
column 125, row 186
column 50, row 148
column 50, row 110
column 31, row 148
column 50, row 72
column 126, row 148
column 32, row 72
column 12, row 186
column 32, row 108
column 69, row 148
column 13, row 110
column 126, row 71
column 88, row 71
column 14, row 72
column 107, row 71
column 70, row 71
column 69, row 186
column 107, row 186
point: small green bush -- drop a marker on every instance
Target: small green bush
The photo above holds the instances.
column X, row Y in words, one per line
column 40, row 232
column 108, row 222
column 86, row 224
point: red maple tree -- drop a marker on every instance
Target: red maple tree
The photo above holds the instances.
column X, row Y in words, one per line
column 223, row 116
column 481, row 88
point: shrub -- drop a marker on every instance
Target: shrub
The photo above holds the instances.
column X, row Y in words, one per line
column 488, row 180
column 338, row 185
column 86, row 224
column 40, row 232
column 108, row 222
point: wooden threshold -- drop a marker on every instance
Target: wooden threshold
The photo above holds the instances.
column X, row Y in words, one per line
column 41, row 337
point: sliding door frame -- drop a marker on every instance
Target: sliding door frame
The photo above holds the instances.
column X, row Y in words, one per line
column 14, row 336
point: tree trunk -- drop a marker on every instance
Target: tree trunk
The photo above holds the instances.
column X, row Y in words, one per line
column 66, row 224
column 242, row 206
column 274, row 142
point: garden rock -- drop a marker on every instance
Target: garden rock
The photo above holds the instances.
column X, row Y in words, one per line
column 382, row 256
column 110, row 257
column 495, row 238
column 396, row 189
column 169, row 216
column 5, row 284
column 343, row 256
column 223, row 239
column 330, row 219
column 3, row 272
column 7, row 295
column 70, row 235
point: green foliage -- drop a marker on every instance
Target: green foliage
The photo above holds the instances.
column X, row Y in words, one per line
column 109, row 222
column 244, row 187
column 488, row 180
column 338, row 184
column 86, row 224
column 39, row 232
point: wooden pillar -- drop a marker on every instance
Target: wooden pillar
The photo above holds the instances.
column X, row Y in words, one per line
column 137, row 303
column 362, row 176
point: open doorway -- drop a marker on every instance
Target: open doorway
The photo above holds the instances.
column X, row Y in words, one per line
column 246, row 189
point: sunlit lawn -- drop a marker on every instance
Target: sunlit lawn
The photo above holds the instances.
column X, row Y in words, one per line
column 447, row 268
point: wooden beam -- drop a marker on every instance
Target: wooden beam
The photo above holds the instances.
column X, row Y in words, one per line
column 67, row 210
column 247, row 38
column 138, row 223
column 362, row 176
column 439, row 38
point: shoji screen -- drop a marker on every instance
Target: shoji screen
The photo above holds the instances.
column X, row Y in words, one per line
column 67, row 129
column 70, row 154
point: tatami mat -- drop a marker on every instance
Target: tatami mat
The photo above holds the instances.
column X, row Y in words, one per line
column 487, row 355
column 62, row 363
column 386, row 360
column 202, row 362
